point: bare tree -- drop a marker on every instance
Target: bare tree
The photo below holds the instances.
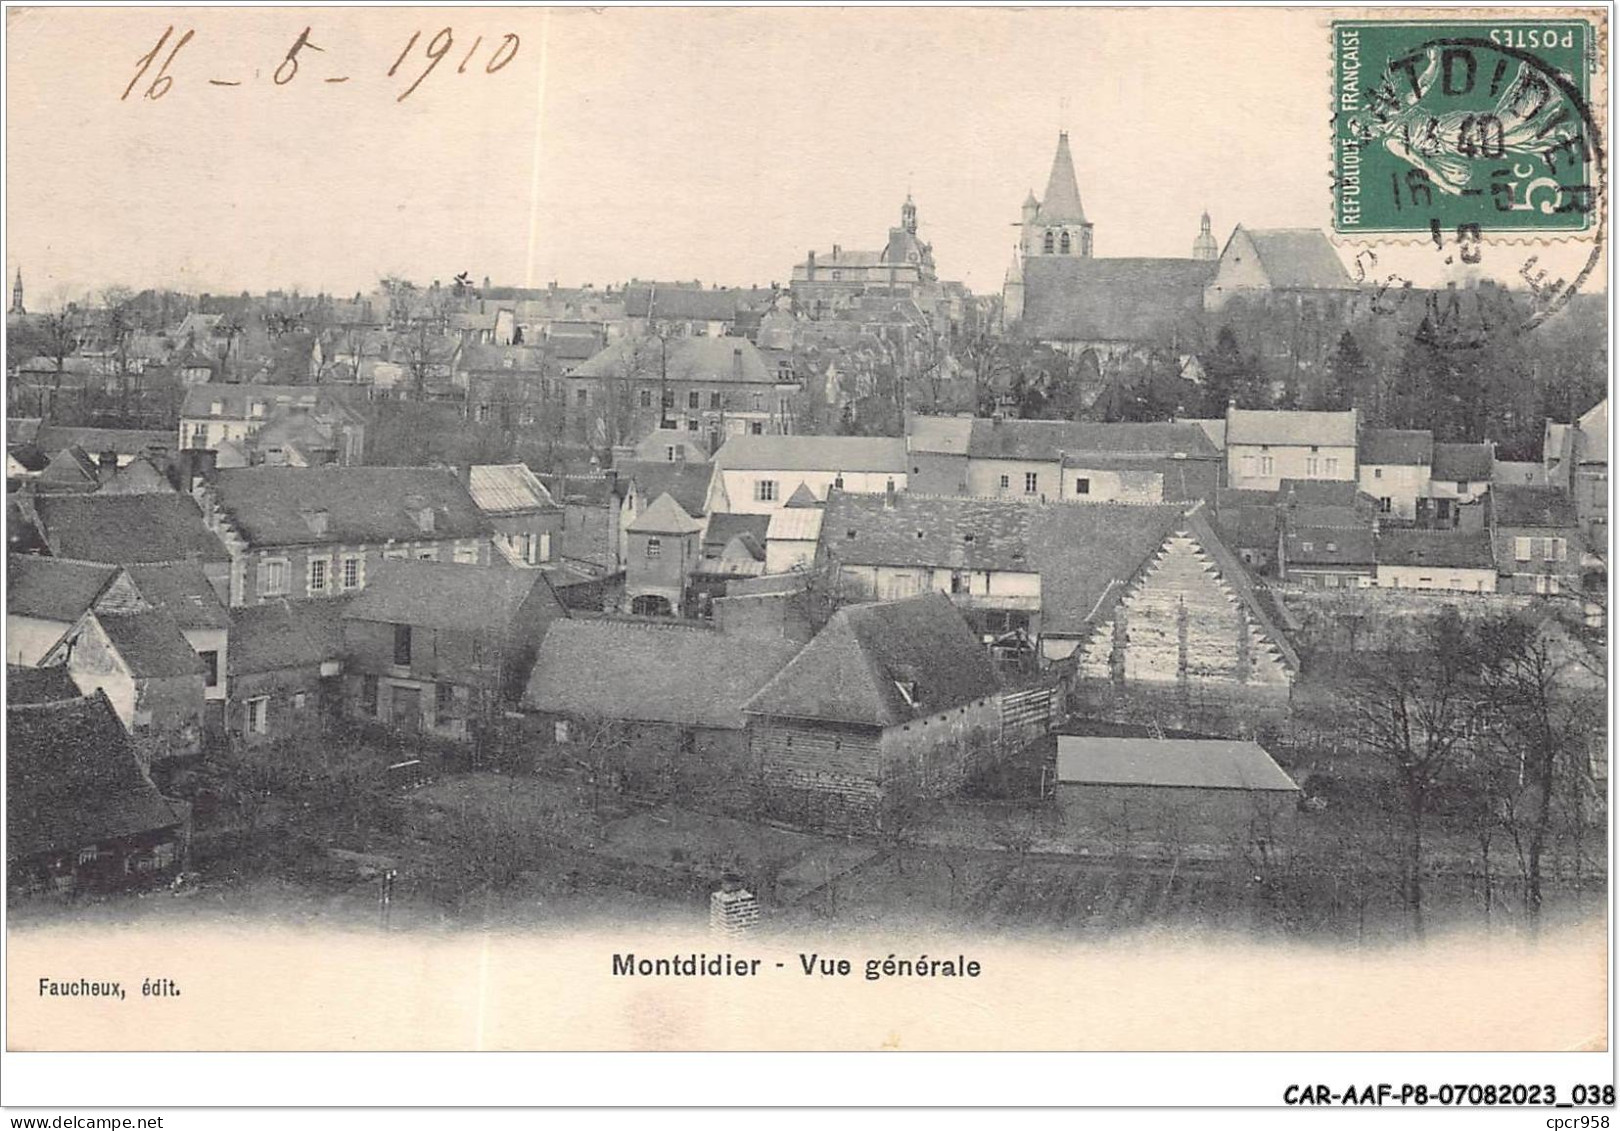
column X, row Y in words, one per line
column 1412, row 709
column 59, row 341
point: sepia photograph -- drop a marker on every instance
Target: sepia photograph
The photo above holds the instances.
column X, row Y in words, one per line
column 810, row 530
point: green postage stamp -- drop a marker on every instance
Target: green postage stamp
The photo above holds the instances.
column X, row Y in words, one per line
column 1459, row 128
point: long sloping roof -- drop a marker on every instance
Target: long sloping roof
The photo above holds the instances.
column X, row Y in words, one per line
column 1532, row 507
column 1389, row 446
column 53, row 589
column 182, row 590
column 1072, row 298
column 123, row 441
column 881, row 665
column 1299, row 259
column 717, row 360
column 508, row 488
column 812, row 453
column 125, row 529
column 1463, row 462
column 1281, row 426
column 72, row 779
column 1455, row 549
column 939, row 435
column 271, row 506
column 1199, row 763
column 150, row 644
column 1044, row 439
column 39, row 685
column 282, row 634
column 447, row 595
column 1087, row 554
column 645, row 672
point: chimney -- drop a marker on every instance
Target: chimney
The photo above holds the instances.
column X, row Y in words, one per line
column 836, row 250
column 107, row 461
column 736, row 362
column 810, row 266
column 888, row 496
column 316, row 521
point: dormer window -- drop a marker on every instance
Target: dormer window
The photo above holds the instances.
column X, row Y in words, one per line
column 216, row 408
column 256, row 409
column 849, row 533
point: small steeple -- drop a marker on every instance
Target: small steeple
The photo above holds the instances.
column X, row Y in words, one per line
column 17, row 295
column 908, row 215
column 1204, row 246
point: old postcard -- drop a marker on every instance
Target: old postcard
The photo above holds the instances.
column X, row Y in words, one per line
column 835, row 529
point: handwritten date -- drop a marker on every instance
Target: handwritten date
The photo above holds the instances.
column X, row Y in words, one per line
column 304, row 49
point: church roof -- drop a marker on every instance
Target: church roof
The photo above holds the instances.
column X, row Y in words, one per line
column 1299, row 259
column 1072, row 298
column 1062, row 200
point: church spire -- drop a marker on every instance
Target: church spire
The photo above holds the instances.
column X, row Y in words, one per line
column 1061, row 204
column 17, row 295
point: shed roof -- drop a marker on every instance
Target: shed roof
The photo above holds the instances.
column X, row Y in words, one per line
column 645, row 672
column 813, row 453
column 1286, row 427
column 508, row 488
column 1390, row 446
column 795, row 524
column 1197, row 763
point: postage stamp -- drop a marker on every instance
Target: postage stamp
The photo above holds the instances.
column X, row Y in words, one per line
column 1462, row 128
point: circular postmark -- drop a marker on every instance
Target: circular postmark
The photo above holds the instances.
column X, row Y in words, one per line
column 1464, row 136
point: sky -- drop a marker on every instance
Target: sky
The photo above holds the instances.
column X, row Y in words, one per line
column 710, row 144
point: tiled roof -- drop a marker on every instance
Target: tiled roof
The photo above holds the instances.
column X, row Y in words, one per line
column 1594, row 429
column 939, row 435
column 39, row 685
column 1281, row 427
column 692, row 303
column 587, row 489
column 1387, row 446
column 664, row 516
column 1044, row 439
column 509, row 488
column 124, row 529
column 723, row 527
column 813, row 453
column 72, row 779
column 123, row 441
column 1533, row 506
column 284, row 634
column 716, row 360
column 1087, row 554
column 1443, row 548
column 1070, row 298
column 274, row 506
column 150, row 644
column 1330, row 546
column 444, row 595
column 949, row 532
column 644, row 672
column 1463, row 462
column 181, row 590
column 686, row 481
column 1319, row 492
column 137, row 477
column 795, row 525
column 53, row 589
column 72, row 466
column 1299, row 259
column 1199, row 763
column 881, row 665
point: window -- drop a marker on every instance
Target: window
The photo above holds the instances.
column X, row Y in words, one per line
column 431, row 554
column 318, row 569
column 655, row 547
column 669, row 453
column 1046, row 244
column 756, row 428
column 1521, row 549
column 257, row 409
column 646, row 398
column 1553, row 551
column 88, row 855
column 1378, row 473
column 481, row 413
column 1306, row 547
column 694, row 399
column 1386, row 504
column 1332, row 464
column 1267, row 465
column 691, row 425
column 582, row 396
column 444, row 700
column 1063, row 244
column 838, row 481
column 1005, row 482
column 299, row 699
column 199, row 435
column 215, row 408
column 765, row 491
column 258, row 715
column 210, row 661
column 1546, row 584
column 465, row 555
column 273, row 577
column 1313, row 466
column 1462, row 486
column 545, row 546
column 1082, row 486
column 353, row 574
column 1031, row 482
column 368, row 694
column 714, row 400
column 402, row 645
column 559, row 732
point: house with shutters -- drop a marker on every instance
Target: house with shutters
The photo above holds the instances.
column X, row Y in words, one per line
column 759, row 475
column 1395, row 465
column 440, row 649
column 1458, row 480
column 319, row 532
column 1058, row 460
column 890, row 704
column 1536, row 535
column 1436, row 561
column 1264, row 447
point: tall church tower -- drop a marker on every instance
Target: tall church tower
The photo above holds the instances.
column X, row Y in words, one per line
column 17, row 295
column 1057, row 224
column 1204, row 246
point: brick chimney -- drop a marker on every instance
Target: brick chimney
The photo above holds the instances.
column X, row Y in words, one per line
column 107, row 462
column 736, row 362
column 810, row 267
